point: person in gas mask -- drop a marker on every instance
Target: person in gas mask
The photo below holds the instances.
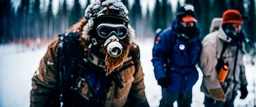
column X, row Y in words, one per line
column 95, row 63
column 221, row 62
column 175, row 54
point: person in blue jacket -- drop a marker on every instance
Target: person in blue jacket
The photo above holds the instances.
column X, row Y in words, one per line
column 175, row 54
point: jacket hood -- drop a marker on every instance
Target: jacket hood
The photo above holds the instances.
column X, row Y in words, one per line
column 175, row 24
column 216, row 23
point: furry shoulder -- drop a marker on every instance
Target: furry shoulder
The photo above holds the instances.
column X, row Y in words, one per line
column 135, row 51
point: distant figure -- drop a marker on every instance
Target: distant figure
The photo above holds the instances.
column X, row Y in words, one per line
column 94, row 64
column 221, row 62
column 175, row 54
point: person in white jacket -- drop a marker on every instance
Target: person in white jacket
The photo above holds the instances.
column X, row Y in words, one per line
column 223, row 48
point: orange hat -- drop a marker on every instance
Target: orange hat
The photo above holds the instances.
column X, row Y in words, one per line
column 232, row 16
column 188, row 19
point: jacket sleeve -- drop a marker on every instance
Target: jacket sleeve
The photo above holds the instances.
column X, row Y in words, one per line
column 45, row 79
column 242, row 75
column 159, row 52
column 137, row 97
column 137, row 93
column 207, row 64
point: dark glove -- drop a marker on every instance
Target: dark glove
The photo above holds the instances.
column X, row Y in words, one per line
column 163, row 82
column 244, row 92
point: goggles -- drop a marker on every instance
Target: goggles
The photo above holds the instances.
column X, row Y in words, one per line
column 104, row 30
column 188, row 24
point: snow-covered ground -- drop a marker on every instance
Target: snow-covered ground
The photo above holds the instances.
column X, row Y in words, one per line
column 17, row 68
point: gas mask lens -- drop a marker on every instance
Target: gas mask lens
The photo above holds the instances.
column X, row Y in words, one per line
column 231, row 32
column 104, row 30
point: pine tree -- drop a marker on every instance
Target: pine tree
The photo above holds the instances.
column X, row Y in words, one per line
column 240, row 6
column 189, row 1
column 147, row 16
column 22, row 19
column 164, row 14
column 222, row 7
column 58, row 20
column 12, row 23
column 205, row 21
column 36, row 18
column 147, row 23
column 198, row 8
column 76, row 13
column 232, row 4
column 5, row 19
column 63, row 16
column 136, row 17
column 237, row 4
column 50, row 18
column 178, row 5
column 156, row 15
column 251, row 23
column 169, row 14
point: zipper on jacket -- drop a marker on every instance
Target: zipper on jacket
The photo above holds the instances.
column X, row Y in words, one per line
column 182, row 52
column 181, row 85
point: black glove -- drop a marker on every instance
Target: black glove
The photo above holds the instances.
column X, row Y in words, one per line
column 244, row 92
column 163, row 82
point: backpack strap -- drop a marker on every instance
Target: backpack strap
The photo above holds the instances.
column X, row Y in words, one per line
column 221, row 62
column 69, row 56
column 225, row 45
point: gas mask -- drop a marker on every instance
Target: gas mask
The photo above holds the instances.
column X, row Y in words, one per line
column 230, row 32
column 111, row 34
column 237, row 38
column 188, row 31
column 108, row 40
column 111, row 41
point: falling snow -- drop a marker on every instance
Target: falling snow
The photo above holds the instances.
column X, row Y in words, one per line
column 16, row 70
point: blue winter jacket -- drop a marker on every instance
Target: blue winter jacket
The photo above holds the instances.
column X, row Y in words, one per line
column 180, row 55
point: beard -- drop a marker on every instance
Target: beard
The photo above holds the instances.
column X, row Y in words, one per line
column 111, row 63
column 114, row 62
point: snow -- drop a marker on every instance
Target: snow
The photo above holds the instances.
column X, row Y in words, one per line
column 17, row 68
